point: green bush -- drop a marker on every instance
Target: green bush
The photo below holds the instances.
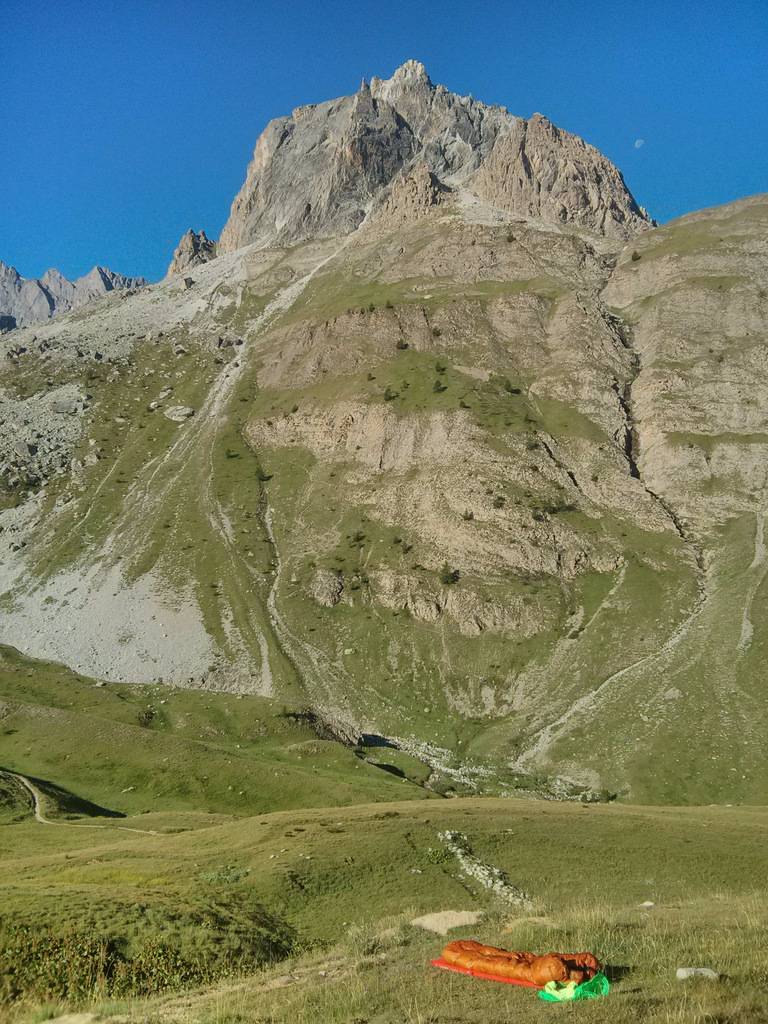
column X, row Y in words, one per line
column 146, row 716
column 448, row 575
column 74, row 965
column 509, row 387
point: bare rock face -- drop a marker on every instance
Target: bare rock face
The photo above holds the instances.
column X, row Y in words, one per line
column 313, row 173
column 193, row 249
column 412, row 195
column 318, row 172
column 537, row 170
column 30, row 301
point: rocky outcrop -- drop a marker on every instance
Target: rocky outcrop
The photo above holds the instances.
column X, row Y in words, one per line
column 693, row 298
column 32, row 300
column 317, row 172
column 537, row 170
column 411, row 196
column 193, row 249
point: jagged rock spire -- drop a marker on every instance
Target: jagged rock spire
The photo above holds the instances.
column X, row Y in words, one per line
column 193, row 249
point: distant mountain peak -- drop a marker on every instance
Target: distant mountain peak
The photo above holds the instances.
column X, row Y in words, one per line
column 26, row 301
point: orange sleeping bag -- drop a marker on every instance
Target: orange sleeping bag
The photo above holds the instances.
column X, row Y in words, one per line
column 526, row 968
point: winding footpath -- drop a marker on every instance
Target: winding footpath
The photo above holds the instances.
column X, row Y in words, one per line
column 37, row 806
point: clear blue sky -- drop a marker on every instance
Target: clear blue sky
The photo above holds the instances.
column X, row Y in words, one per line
column 124, row 123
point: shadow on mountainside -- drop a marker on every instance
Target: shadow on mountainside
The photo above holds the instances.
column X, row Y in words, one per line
column 62, row 803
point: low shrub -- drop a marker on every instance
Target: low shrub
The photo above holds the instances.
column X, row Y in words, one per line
column 77, row 964
column 448, row 575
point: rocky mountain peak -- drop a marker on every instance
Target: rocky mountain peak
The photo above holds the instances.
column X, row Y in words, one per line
column 409, row 77
column 193, row 249
column 26, row 301
column 53, row 278
column 319, row 171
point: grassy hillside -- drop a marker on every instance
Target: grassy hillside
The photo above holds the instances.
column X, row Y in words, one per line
column 336, row 889
column 142, row 749
column 380, row 973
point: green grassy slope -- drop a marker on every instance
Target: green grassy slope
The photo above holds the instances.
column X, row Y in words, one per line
column 320, row 875
column 138, row 749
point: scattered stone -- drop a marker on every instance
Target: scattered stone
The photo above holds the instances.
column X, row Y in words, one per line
column 327, row 587
column 684, row 973
column 22, row 449
column 65, row 406
column 444, row 920
column 179, row 413
column 488, row 876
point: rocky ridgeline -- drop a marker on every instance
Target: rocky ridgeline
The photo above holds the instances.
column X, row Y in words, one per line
column 25, row 301
column 319, row 171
